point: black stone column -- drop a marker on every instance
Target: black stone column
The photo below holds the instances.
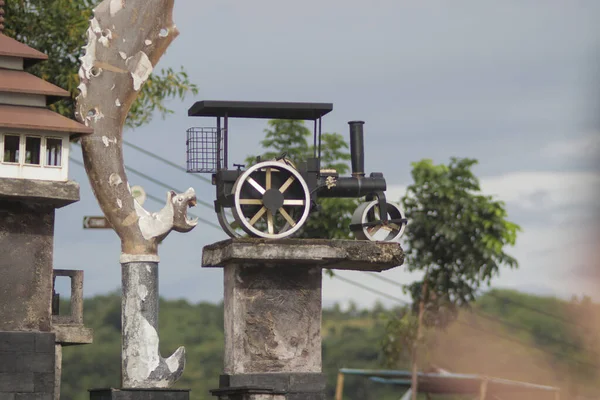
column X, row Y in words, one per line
column 27, row 365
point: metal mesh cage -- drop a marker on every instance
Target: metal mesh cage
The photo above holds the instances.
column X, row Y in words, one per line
column 204, row 149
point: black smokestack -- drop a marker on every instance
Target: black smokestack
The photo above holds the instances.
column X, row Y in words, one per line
column 357, row 148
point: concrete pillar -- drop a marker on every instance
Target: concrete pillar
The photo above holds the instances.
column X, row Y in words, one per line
column 272, row 300
column 26, row 245
column 28, row 361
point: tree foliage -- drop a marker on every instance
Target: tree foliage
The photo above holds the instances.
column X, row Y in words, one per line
column 57, row 28
column 291, row 138
column 456, row 236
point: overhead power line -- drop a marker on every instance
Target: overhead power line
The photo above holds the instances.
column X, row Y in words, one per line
column 375, row 275
column 505, row 337
column 517, row 304
column 162, row 184
column 164, row 160
column 160, row 201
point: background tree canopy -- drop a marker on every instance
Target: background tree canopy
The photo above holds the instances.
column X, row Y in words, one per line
column 456, row 236
column 57, row 28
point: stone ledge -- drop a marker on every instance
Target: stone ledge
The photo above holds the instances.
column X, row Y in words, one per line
column 68, row 335
column 31, row 191
column 286, row 382
column 139, row 394
column 358, row 255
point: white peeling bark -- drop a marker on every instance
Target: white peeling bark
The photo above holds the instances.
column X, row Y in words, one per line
column 126, row 38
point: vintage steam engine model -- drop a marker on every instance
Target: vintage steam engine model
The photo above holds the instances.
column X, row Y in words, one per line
column 273, row 198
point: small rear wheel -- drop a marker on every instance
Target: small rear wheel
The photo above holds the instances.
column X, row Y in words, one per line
column 366, row 223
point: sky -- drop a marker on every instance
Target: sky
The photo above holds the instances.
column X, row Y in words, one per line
column 511, row 83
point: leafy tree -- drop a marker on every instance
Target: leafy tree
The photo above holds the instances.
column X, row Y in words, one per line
column 456, row 238
column 57, row 28
column 290, row 137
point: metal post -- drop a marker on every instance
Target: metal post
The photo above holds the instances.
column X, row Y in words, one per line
column 319, row 166
column 218, row 143
column 483, row 389
column 57, row 370
column 315, row 139
column 339, row 388
column 225, row 141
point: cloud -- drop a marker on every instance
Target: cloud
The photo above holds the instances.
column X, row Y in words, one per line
column 533, row 190
column 543, row 190
column 557, row 213
column 582, row 147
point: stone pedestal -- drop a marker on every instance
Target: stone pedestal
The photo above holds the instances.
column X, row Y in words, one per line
column 30, row 363
column 139, row 394
column 248, row 393
column 272, row 301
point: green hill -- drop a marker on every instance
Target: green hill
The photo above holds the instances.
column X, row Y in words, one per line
column 507, row 334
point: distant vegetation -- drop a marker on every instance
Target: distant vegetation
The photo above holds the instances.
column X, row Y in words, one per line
column 507, row 334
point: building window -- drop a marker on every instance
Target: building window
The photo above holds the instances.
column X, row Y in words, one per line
column 33, row 147
column 11, row 148
column 53, row 152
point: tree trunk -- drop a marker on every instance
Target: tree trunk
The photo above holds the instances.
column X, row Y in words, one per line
column 125, row 41
column 414, row 386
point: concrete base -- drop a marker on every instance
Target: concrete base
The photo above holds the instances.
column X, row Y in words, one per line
column 282, row 386
column 27, row 362
column 247, row 393
column 139, row 394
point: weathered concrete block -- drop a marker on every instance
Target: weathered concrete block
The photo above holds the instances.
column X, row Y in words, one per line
column 43, row 383
column 26, row 362
column 16, row 382
column 7, row 396
column 139, row 394
column 304, row 253
column 17, row 342
column 32, row 191
column 72, row 334
column 44, row 342
column 272, row 319
column 26, row 246
column 34, row 396
column 28, row 371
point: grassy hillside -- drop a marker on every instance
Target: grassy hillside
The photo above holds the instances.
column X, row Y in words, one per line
column 507, row 334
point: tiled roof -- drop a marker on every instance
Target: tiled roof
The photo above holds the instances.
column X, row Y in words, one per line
column 9, row 47
column 40, row 119
column 13, row 81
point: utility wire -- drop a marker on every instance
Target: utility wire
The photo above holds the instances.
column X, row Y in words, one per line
column 502, row 298
column 375, row 275
column 505, row 337
column 162, row 184
column 490, row 317
column 156, row 199
column 180, row 168
column 164, row 160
